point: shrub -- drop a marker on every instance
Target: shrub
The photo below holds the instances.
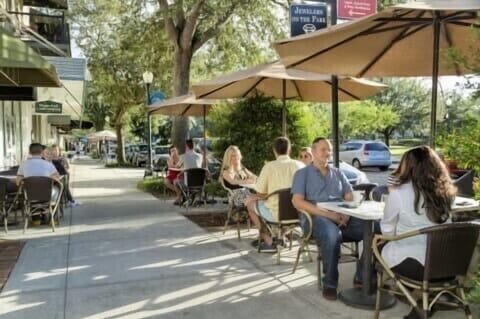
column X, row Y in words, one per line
column 463, row 145
column 151, row 185
column 252, row 124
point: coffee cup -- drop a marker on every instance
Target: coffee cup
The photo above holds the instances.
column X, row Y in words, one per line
column 358, row 197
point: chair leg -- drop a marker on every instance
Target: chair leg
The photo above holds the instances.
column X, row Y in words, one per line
column 466, row 306
column 248, row 223
column 238, row 229
column 319, row 272
column 379, row 285
column 299, row 253
column 5, row 218
column 26, row 214
column 279, row 236
column 52, row 218
column 229, row 215
column 425, row 304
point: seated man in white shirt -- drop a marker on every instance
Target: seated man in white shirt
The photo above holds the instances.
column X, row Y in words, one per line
column 35, row 165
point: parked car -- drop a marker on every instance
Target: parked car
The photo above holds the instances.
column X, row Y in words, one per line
column 366, row 154
column 354, row 176
column 161, row 155
column 141, row 155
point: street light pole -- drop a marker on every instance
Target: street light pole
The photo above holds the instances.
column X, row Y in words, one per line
column 148, row 79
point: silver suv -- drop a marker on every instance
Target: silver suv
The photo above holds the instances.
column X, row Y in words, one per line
column 366, row 154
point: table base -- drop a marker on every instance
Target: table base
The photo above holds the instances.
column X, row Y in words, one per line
column 356, row 298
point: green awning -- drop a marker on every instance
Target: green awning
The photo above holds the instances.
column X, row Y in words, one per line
column 20, row 65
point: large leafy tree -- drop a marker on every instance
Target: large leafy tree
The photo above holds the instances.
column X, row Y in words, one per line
column 121, row 40
column 228, row 31
column 410, row 100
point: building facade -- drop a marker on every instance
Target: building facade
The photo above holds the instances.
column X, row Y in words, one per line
column 39, row 114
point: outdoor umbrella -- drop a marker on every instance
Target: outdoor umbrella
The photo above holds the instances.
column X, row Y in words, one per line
column 273, row 79
column 185, row 105
column 20, row 65
column 404, row 40
column 103, row 135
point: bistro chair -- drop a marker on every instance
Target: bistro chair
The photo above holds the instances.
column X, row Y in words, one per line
column 195, row 180
column 287, row 219
column 38, row 198
column 465, row 184
column 449, row 251
column 377, row 193
column 7, row 201
column 235, row 212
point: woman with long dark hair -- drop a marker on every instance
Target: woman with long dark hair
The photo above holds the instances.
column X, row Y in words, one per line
column 422, row 197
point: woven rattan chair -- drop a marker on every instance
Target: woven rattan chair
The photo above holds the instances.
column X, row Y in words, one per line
column 7, row 201
column 235, row 213
column 38, row 198
column 449, row 251
column 287, row 219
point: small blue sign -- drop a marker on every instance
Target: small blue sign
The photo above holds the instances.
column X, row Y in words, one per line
column 307, row 18
column 156, row 96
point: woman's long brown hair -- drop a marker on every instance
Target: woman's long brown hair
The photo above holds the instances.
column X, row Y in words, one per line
column 431, row 181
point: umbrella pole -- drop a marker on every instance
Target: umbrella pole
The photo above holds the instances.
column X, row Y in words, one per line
column 335, row 120
column 335, row 117
column 284, row 109
column 436, row 50
column 205, row 136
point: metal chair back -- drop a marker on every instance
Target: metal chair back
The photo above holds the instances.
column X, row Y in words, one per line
column 465, row 184
column 449, row 249
column 377, row 192
column 367, row 187
column 286, row 210
column 195, row 177
column 38, row 188
column 3, row 188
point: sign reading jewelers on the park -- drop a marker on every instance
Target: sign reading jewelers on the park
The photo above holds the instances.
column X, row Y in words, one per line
column 353, row 9
column 306, row 18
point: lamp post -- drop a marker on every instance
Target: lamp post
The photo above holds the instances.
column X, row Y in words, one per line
column 148, row 79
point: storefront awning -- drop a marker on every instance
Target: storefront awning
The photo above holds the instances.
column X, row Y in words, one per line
column 20, row 65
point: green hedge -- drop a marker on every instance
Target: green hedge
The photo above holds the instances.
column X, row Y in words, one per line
column 151, row 185
column 156, row 186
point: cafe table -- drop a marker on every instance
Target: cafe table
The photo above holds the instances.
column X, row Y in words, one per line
column 370, row 211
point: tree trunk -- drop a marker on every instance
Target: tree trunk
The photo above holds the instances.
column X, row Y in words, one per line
column 120, row 148
column 181, row 82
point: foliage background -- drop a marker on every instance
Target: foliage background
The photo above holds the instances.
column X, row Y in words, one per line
column 252, row 125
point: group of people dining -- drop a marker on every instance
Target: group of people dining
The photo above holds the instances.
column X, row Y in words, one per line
column 421, row 194
column 44, row 161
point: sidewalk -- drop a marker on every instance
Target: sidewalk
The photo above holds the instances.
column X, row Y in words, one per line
column 126, row 254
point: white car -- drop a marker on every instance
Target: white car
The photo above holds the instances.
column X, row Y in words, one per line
column 366, row 154
column 161, row 155
column 354, row 176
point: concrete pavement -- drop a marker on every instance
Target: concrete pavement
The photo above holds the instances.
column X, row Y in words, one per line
column 126, row 254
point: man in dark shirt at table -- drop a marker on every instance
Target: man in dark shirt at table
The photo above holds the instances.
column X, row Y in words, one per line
column 320, row 182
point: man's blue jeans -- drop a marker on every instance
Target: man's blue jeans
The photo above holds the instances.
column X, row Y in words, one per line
column 329, row 238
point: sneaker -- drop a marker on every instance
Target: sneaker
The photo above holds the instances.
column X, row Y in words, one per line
column 329, row 294
column 266, row 248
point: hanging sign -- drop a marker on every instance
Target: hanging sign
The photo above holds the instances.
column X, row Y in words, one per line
column 307, row 18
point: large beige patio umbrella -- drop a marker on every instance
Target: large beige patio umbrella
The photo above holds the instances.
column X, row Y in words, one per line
column 273, row 79
column 404, row 40
column 185, row 105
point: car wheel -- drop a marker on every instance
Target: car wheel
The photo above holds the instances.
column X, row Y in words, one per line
column 383, row 168
column 356, row 164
